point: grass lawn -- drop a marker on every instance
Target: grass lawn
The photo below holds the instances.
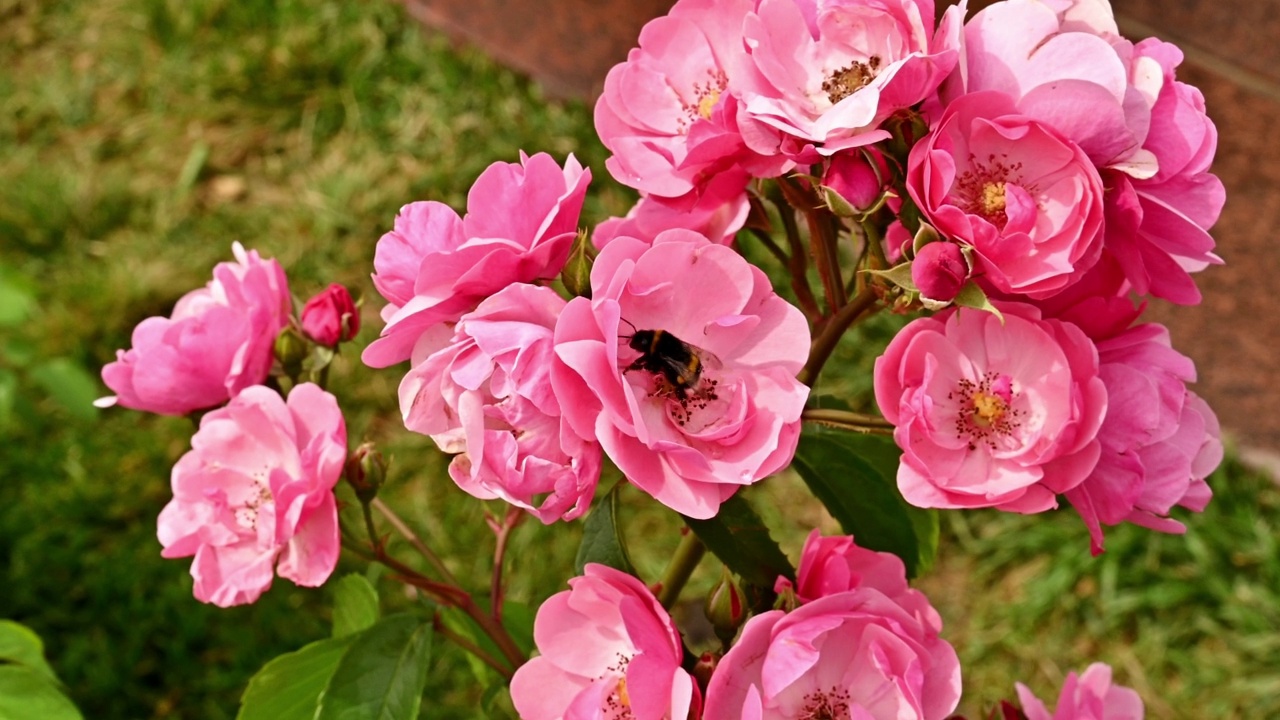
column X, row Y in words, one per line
column 140, row 138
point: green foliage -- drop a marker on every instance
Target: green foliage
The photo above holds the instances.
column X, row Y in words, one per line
column 742, row 541
column 355, row 605
column 382, row 674
column 28, row 687
column 289, row 687
column 602, row 536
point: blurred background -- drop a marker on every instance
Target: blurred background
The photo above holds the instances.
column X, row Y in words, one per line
column 140, row 138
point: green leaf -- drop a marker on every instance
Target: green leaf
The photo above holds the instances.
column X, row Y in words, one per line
column 854, row 477
column 382, row 674
column 26, row 694
column 972, row 296
column 70, row 386
column 899, row 275
column 602, row 537
column 19, row 644
column 517, row 618
column 16, row 303
column 741, row 540
column 355, row 605
column 289, row 687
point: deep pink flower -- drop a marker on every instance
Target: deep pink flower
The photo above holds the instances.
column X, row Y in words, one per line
column 718, row 214
column 330, row 317
column 668, row 114
column 855, row 654
column 608, row 650
column 830, row 565
column 991, row 413
column 433, row 267
column 857, row 176
column 824, row 75
column 688, row 435
column 1091, row 696
column 1159, row 440
column 217, row 342
column 1025, row 198
column 254, row 496
column 483, row 389
column 939, row 270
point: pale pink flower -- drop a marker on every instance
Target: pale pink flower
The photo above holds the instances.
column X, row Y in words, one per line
column 218, row 341
column 1159, row 440
column 1025, row 198
column 483, row 389
column 253, row 498
column 824, row 75
column 434, row 266
column 991, row 412
column 939, row 271
column 1091, row 696
column 688, row 434
column 718, row 214
column 330, row 317
column 608, row 650
column 853, row 654
column 668, row 114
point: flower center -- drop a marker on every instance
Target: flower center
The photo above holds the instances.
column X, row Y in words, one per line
column 980, row 190
column 260, row 494
column 617, row 706
column 986, row 413
column 850, row 79
column 832, row 704
column 705, row 97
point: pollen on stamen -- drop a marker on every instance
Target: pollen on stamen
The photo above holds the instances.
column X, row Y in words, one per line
column 705, row 96
column 986, row 411
column 847, row 80
column 980, row 190
column 830, row 704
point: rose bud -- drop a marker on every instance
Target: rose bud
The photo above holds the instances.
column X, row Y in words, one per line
column 852, row 176
column 330, row 317
column 726, row 607
column 939, row 270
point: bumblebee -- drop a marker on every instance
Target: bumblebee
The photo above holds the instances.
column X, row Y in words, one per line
column 677, row 362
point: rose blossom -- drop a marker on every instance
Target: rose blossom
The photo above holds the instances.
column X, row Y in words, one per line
column 1159, row 440
column 830, row 565
column 434, row 266
column 857, row 654
column 484, row 390
column 1091, row 696
column 608, row 650
column 719, row 214
column 991, row 413
column 668, row 114
column 735, row 419
column 331, row 317
column 1026, row 199
column 217, row 342
column 824, row 75
column 255, row 494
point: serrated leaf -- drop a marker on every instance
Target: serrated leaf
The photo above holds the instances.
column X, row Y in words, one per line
column 741, row 540
column 847, row 473
column 899, row 275
column 355, row 605
column 289, row 686
column 70, row 385
column 382, row 674
column 19, row 644
column 26, row 694
column 602, row 540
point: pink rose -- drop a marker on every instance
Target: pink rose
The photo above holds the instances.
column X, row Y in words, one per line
column 1159, row 440
column 433, row 267
column 718, row 214
column 830, row 565
column 1091, row 696
column 852, row 654
column 483, row 389
column 858, row 177
column 217, row 342
column 608, row 650
column 682, row 365
column 254, row 496
column 668, row 114
column 331, row 317
column 824, row 75
column 1025, row 198
column 939, row 270
column 991, row 413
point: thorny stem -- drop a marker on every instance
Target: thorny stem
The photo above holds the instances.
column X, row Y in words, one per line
column 686, row 558
column 856, row 422
column 798, row 263
column 509, row 523
column 414, row 540
column 825, row 343
column 470, row 647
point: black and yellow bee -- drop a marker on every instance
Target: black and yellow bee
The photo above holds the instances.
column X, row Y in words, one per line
column 677, row 362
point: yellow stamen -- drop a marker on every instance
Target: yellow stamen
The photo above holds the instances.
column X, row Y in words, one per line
column 988, row 409
column 992, row 200
column 707, row 103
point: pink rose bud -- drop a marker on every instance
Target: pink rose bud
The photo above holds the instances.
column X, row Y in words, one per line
column 852, row 176
column 726, row 607
column 939, row 270
column 330, row 317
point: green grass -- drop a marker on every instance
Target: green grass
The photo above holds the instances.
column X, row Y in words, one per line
column 139, row 138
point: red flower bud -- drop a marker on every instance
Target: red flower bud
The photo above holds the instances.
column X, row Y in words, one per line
column 939, row 270
column 331, row 317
